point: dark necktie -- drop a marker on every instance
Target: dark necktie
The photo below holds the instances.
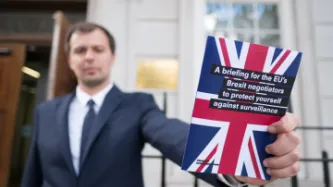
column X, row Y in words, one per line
column 88, row 122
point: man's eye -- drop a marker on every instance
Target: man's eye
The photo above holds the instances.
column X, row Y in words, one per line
column 99, row 49
column 79, row 50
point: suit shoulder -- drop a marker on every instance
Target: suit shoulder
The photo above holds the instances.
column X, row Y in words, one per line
column 51, row 103
column 139, row 100
column 140, row 97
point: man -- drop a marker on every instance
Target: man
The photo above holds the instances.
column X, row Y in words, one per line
column 94, row 136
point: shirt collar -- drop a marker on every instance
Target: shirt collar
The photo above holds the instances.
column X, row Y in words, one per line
column 98, row 98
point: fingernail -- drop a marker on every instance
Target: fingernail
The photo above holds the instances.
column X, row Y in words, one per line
column 267, row 150
column 268, row 171
column 265, row 163
column 271, row 129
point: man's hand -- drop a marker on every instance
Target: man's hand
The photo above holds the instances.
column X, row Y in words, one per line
column 285, row 162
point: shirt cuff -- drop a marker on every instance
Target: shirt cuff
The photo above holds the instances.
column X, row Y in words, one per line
column 230, row 181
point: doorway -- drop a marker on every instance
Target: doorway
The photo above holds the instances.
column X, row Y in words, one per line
column 35, row 71
column 32, row 92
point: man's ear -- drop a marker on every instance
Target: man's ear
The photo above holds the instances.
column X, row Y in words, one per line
column 113, row 59
column 69, row 62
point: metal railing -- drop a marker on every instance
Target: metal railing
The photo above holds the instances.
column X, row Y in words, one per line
column 325, row 160
column 163, row 169
column 161, row 157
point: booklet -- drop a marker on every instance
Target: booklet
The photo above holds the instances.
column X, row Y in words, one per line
column 243, row 88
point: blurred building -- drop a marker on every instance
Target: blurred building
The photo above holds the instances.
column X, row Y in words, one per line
column 160, row 49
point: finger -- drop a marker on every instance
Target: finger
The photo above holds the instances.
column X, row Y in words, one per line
column 285, row 172
column 284, row 144
column 286, row 124
column 284, row 161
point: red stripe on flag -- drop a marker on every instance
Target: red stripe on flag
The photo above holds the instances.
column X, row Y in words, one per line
column 238, row 122
column 245, row 91
column 283, row 58
column 256, row 57
column 250, row 81
column 225, row 52
column 211, row 154
column 253, row 158
column 232, row 147
column 246, row 102
column 202, row 110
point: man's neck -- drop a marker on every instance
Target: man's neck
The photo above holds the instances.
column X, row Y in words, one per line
column 93, row 90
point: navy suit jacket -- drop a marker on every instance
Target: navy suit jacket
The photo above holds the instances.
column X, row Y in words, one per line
column 124, row 124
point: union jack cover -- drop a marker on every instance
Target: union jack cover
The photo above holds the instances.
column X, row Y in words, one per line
column 243, row 88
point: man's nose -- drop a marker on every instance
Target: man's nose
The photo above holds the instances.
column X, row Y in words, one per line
column 90, row 55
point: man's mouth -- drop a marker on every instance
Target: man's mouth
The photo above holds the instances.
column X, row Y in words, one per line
column 89, row 70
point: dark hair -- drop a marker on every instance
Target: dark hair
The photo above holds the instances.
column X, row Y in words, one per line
column 86, row 27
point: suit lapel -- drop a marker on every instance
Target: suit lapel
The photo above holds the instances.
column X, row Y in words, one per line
column 62, row 126
column 111, row 101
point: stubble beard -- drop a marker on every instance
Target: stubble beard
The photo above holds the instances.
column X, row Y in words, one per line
column 93, row 83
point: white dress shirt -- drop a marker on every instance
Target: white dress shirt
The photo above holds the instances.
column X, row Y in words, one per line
column 77, row 112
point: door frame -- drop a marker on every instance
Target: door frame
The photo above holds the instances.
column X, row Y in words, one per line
column 53, row 41
column 27, row 39
column 10, row 108
column 40, row 39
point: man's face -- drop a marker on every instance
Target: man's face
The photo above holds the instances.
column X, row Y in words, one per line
column 90, row 57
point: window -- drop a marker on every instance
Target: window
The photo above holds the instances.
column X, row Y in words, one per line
column 249, row 22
